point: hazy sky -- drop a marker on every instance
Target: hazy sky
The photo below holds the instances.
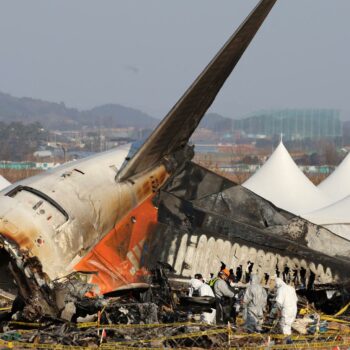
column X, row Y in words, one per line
column 145, row 53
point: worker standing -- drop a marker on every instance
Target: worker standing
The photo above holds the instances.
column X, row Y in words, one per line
column 204, row 290
column 254, row 303
column 193, row 283
column 224, row 297
column 213, row 280
column 286, row 302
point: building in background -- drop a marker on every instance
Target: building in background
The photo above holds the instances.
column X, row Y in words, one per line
column 293, row 124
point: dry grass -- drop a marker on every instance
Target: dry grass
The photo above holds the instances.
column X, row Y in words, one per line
column 14, row 175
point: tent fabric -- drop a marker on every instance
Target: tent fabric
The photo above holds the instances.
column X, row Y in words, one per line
column 342, row 230
column 334, row 217
column 281, row 182
column 4, row 183
column 337, row 185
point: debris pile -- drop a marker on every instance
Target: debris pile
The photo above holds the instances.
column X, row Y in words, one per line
column 57, row 334
column 163, row 317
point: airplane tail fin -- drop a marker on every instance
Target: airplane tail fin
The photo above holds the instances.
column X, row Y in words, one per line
column 174, row 131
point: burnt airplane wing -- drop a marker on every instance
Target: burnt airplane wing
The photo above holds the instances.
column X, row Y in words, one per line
column 177, row 127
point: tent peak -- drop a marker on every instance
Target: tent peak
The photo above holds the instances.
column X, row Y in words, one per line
column 281, row 181
column 336, row 185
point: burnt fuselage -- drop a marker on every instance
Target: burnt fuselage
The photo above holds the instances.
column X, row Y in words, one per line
column 57, row 218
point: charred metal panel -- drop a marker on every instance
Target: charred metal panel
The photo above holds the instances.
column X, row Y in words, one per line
column 201, row 227
column 236, row 203
column 195, row 182
column 190, row 252
column 204, row 189
column 239, row 204
column 7, row 284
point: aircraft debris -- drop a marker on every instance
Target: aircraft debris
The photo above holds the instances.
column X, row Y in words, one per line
column 126, row 322
column 81, row 245
column 52, row 224
column 201, row 215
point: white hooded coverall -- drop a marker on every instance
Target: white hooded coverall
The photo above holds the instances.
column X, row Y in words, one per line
column 286, row 301
column 254, row 302
column 204, row 290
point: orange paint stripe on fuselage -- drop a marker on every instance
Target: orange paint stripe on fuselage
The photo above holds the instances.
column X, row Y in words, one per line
column 118, row 256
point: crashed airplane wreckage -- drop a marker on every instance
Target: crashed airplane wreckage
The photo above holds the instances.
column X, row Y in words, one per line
column 114, row 215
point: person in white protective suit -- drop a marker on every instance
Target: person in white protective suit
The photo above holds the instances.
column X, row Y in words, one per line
column 286, row 302
column 254, row 303
column 204, row 290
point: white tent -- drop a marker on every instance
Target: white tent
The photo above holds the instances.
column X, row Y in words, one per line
column 281, row 182
column 337, row 185
column 335, row 217
column 3, row 183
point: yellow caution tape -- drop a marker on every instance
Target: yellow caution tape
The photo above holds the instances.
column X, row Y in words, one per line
column 146, row 325
column 282, row 336
column 306, row 345
column 310, row 345
column 310, row 341
column 27, row 324
column 315, row 345
column 5, row 308
column 123, row 344
column 17, row 344
column 103, row 309
column 341, row 311
column 87, row 324
column 332, row 319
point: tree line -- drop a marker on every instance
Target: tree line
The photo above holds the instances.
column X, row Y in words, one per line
column 18, row 141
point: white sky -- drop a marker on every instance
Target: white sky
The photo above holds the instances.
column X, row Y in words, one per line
column 145, row 53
